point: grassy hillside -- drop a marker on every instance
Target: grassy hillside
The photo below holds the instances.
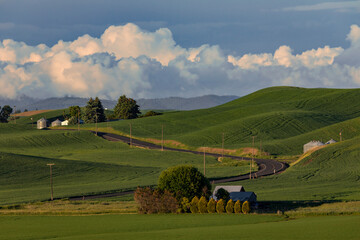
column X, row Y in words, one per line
column 272, row 114
column 84, row 164
column 331, row 173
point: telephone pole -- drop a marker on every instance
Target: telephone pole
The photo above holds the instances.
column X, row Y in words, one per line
column 252, row 158
column 15, row 114
column 222, row 154
column 162, row 137
column 96, row 124
column 204, row 162
column 51, row 181
column 130, row 136
column 78, row 120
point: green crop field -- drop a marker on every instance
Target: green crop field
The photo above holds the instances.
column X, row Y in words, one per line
column 196, row 226
column 84, row 164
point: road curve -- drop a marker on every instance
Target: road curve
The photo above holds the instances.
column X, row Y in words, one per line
column 266, row 166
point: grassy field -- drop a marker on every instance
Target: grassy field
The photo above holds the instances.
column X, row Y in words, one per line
column 329, row 174
column 216, row 226
column 283, row 118
column 84, row 164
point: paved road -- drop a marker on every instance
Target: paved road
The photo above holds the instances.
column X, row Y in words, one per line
column 266, row 166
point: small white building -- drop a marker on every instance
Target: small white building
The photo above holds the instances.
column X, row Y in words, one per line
column 65, row 123
column 313, row 144
column 331, row 141
column 41, row 123
column 56, row 123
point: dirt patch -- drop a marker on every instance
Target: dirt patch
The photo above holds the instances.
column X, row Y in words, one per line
column 30, row 113
column 216, row 150
column 249, row 150
column 166, row 142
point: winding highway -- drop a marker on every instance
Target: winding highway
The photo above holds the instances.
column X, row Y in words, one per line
column 266, row 166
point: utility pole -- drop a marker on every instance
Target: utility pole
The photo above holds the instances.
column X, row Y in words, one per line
column 222, row 154
column 78, row 120
column 15, row 114
column 204, row 162
column 260, row 148
column 130, row 136
column 162, row 137
column 339, row 134
column 252, row 158
column 32, row 123
column 51, row 182
column 96, row 124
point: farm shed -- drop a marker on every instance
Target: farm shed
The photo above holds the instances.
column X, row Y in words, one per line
column 56, row 123
column 243, row 196
column 312, row 144
column 41, row 123
column 65, row 123
column 230, row 189
column 330, row 141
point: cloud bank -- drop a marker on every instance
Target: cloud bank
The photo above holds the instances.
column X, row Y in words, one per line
column 141, row 64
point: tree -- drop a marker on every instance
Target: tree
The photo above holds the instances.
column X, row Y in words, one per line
column 246, row 207
column 5, row 113
column 194, row 205
column 230, row 206
column 211, row 206
column 126, row 108
column 220, row 206
column 185, row 204
column 184, row 181
column 94, row 111
column 237, row 207
column 202, row 205
column 222, row 194
column 74, row 111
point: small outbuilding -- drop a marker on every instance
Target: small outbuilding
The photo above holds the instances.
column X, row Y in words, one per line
column 331, row 141
column 65, row 123
column 236, row 188
column 312, row 144
column 41, row 123
column 243, row 196
column 56, row 123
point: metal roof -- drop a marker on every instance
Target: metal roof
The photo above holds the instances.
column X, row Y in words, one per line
column 236, row 188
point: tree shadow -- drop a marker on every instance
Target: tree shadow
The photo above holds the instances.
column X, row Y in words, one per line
column 283, row 206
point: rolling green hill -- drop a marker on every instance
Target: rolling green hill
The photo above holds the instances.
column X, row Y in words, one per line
column 275, row 115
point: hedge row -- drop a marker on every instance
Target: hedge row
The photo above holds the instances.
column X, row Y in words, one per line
column 203, row 206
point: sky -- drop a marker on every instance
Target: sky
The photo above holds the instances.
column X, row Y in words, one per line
column 162, row 48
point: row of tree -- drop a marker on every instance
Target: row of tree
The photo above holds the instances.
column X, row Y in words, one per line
column 176, row 186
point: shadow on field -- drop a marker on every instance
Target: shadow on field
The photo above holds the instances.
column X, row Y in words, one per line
column 283, row 206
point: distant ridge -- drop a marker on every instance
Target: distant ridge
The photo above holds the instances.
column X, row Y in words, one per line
column 171, row 103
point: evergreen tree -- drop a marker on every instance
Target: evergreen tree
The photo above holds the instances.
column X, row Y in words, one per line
column 94, row 111
column 126, row 108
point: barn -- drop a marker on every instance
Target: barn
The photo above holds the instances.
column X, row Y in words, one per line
column 236, row 192
column 313, row 144
column 56, row 123
column 41, row 123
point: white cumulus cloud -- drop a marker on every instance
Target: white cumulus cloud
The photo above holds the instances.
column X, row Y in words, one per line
column 128, row 60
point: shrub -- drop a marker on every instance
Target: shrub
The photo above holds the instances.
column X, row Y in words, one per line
column 230, row 206
column 237, row 207
column 185, row 204
column 220, row 206
column 194, row 205
column 202, row 205
column 155, row 201
column 246, row 207
column 184, row 181
column 222, row 194
column 211, row 206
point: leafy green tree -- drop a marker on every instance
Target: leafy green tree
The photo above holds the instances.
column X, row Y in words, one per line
column 211, row 206
column 74, row 111
column 246, row 207
column 184, row 181
column 202, row 205
column 220, row 206
column 94, row 111
column 126, row 108
column 230, row 206
column 194, row 205
column 5, row 113
column 222, row 194
column 237, row 206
